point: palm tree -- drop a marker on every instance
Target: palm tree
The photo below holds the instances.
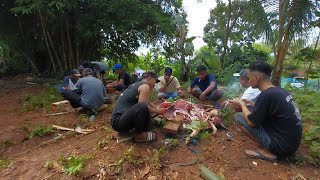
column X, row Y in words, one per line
column 282, row 21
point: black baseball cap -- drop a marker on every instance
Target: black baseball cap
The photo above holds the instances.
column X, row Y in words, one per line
column 151, row 74
column 201, row 68
column 168, row 71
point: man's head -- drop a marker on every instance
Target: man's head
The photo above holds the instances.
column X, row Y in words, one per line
column 117, row 68
column 202, row 72
column 150, row 78
column 80, row 68
column 87, row 72
column 75, row 74
column 167, row 73
column 259, row 72
column 244, row 79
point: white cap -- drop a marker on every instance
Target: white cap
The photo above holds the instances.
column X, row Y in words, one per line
column 236, row 74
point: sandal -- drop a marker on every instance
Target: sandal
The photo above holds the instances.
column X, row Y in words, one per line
column 147, row 137
column 258, row 155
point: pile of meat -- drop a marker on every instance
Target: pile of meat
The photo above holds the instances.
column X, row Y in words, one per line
column 184, row 112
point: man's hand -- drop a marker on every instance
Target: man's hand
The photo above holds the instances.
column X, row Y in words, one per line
column 202, row 97
column 161, row 111
column 248, row 103
column 189, row 89
column 180, row 93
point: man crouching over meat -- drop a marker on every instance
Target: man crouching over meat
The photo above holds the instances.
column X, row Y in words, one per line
column 133, row 108
column 274, row 121
column 204, row 87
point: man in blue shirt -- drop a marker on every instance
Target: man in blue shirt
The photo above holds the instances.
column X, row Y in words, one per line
column 89, row 94
column 204, row 87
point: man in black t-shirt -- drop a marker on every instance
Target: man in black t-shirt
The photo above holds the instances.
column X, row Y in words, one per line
column 274, row 122
column 124, row 79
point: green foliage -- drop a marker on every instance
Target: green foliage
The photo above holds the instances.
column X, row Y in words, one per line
column 5, row 163
column 101, row 144
column 43, row 100
column 73, row 165
column 312, row 139
column 226, row 115
column 309, row 105
column 40, row 131
column 203, row 135
column 239, row 58
column 127, row 157
column 83, row 30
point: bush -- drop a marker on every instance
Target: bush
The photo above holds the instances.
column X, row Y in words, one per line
column 41, row 130
column 43, row 100
column 309, row 104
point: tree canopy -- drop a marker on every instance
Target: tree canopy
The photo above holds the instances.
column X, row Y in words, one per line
column 57, row 35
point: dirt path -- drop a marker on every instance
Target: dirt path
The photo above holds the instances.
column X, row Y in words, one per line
column 29, row 155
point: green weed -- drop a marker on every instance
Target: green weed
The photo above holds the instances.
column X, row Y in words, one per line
column 73, row 165
column 101, row 144
column 49, row 165
column 5, row 163
column 227, row 116
column 43, row 100
column 127, row 157
column 41, row 130
column 158, row 153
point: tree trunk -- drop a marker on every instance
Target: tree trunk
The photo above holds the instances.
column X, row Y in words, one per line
column 47, row 43
column 314, row 50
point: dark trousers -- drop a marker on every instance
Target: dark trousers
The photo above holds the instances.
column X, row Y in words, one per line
column 136, row 117
column 73, row 97
column 214, row 96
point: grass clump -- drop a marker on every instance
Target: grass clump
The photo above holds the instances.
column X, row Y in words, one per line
column 101, row 144
column 226, row 115
column 43, row 100
column 40, row 131
column 73, row 165
column 5, row 163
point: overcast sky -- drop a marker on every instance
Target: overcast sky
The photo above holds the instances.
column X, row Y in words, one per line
column 198, row 15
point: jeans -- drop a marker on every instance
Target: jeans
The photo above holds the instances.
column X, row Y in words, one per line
column 168, row 95
column 257, row 132
column 214, row 96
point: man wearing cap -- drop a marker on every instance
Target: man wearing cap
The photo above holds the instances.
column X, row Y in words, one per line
column 99, row 69
column 70, row 81
column 89, row 94
column 204, row 86
column 124, row 79
column 169, row 85
column 132, row 111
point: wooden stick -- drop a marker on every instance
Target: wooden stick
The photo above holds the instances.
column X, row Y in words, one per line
column 83, row 131
column 56, row 114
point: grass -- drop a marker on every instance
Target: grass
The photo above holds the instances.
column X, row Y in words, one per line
column 43, row 100
column 101, row 144
column 40, row 131
column 5, row 163
column 158, row 153
column 227, row 116
column 73, row 165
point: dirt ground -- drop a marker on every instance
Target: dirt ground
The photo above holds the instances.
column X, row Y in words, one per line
column 28, row 156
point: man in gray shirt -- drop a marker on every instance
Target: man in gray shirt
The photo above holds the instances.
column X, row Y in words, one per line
column 89, row 94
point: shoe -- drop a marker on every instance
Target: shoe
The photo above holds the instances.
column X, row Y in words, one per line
column 258, row 155
column 92, row 118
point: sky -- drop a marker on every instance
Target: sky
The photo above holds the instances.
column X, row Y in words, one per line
column 198, row 15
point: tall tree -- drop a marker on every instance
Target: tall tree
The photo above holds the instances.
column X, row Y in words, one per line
column 283, row 21
column 55, row 36
column 228, row 24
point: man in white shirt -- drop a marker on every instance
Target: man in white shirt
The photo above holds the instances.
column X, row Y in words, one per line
column 250, row 94
column 169, row 85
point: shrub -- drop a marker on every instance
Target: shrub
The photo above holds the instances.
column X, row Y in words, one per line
column 41, row 130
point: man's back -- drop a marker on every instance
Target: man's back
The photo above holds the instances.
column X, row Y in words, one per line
column 278, row 114
column 92, row 92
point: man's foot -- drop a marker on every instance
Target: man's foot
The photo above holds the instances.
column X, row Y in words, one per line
column 261, row 154
column 145, row 137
